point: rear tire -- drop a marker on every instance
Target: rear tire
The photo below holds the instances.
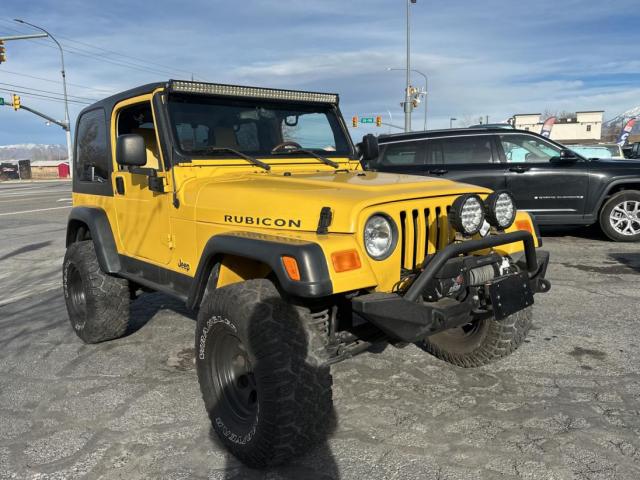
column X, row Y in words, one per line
column 97, row 303
column 262, row 379
column 481, row 341
column 620, row 217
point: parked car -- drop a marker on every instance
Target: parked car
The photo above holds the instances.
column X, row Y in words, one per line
column 632, row 151
column 249, row 204
column 553, row 183
column 615, row 149
column 600, row 150
column 590, row 151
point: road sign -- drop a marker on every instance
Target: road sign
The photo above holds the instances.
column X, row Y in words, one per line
column 1, row 101
column 367, row 120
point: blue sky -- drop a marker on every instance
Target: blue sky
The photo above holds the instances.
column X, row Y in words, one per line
column 491, row 57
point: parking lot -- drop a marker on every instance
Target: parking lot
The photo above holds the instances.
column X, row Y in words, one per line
column 565, row 406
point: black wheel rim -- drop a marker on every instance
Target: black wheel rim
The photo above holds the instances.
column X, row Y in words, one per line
column 234, row 380
column 76, row 291
column 463, row 339
column 464, row 332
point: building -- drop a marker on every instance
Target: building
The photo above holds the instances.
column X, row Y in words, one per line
column 584, row 127
column 44, row 169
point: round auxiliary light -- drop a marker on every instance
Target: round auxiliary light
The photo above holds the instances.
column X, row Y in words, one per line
column 380, row 236
column 467, row 214
column 500, row 209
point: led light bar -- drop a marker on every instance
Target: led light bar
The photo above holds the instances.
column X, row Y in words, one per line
column 250, row 92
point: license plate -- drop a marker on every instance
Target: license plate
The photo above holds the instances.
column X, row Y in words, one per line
column 510, row 294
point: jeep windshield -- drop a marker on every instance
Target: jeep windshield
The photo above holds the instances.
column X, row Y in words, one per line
column 207, row 127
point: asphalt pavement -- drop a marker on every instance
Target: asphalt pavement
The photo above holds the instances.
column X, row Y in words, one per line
column 564, row 406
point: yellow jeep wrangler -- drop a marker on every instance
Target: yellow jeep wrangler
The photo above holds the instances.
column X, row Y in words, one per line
column 250, row 204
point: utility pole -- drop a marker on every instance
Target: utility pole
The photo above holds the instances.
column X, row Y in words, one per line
column 408, row 105
column 67, row 121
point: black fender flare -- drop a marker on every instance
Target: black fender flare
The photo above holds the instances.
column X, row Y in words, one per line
column 97, row 222
column 314, row 280
column 607, row 192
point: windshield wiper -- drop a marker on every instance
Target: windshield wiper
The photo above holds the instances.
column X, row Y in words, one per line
column 324, row 160
column 253, row 160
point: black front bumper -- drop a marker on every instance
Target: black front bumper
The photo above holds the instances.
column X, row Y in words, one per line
column 407, row 318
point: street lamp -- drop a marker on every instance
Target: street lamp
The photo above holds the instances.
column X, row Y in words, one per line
column 451, row 120
column 64, row 87
column 426, row 86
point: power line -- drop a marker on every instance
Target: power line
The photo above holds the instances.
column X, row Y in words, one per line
column 46, row 91
column 38, row 95
column 95, row 56
column 107, row 92
column 170, row 68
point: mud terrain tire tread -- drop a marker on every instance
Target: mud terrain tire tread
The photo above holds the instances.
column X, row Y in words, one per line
column 107, row 297
column 294, row 389
column 499, row 339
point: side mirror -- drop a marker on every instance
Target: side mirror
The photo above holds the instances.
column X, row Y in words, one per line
column 130, row 150
column 567, row 155
column 369, row 147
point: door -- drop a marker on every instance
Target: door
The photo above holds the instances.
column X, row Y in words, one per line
column 470, row 159
column 541, row 183
column 143, row 214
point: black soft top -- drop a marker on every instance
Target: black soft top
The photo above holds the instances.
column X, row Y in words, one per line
column 110, row 102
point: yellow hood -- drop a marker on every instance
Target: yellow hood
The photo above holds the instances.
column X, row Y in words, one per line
column 294, row 202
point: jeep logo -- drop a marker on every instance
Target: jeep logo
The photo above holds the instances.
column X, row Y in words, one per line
column 264, row 221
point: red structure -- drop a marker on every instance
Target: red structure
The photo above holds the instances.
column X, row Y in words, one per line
column 63, row 170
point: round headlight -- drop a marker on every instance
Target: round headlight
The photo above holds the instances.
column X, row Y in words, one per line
column 467, row 214
column 380, row 236
column 500, row 209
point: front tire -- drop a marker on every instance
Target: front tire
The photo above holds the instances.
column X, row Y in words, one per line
column 480, row 342
column 97, row 303
column 620, row 217
column 264, row 386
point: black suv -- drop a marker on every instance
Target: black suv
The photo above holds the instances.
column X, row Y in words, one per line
column 553, row 183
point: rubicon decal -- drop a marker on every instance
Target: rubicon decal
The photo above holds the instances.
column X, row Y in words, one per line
column 263, row 221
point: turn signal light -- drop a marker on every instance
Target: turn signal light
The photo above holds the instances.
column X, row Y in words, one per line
column 345, row 260
column 291, row 267
column 524, row 225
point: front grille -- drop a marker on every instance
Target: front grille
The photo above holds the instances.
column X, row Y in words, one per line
column 423, row 231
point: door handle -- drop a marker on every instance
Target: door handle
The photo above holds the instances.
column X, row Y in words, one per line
column 518, row 169
column 438, row 171
column 120, row 185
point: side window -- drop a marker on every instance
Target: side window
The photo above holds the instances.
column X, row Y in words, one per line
column 404, row 153
column 92, row 157
column 434, row 153
column 466, row 150
column 138, row 119
column 527, row 149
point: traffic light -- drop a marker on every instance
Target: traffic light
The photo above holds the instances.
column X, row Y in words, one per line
column 3, row 56
column 15, row 101
column 378, row 121
column 354, row 121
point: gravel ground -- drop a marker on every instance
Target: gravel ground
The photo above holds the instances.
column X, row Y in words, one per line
column 565, row 406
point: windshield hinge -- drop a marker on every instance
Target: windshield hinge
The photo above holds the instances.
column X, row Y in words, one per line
column 324, row 222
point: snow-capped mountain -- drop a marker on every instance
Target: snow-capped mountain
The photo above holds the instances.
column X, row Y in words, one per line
column 621, row 119
column 33, row 151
